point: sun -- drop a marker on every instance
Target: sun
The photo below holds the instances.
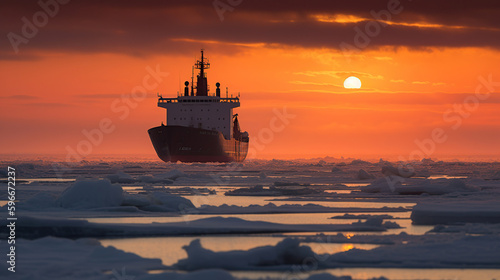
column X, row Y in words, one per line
column 352, row 82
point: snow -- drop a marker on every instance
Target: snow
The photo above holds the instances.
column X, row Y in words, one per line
column 219, row 274
column 464, row 252
column 101, row 195
column 360, row 162
column 91, row 194
column 165, row 202
column 336, row 169
column 447, row 212
column 59, row 258
column 394, row 184
column 377, row 222
column 363, row 175
column 468, row 228
column 362, row 216
column 287, row 252
column 401, row 171
column 279, row 189
column 207, row 274
column 39, row 201
column 120, row 177
column 163, row 178
column 36, row 227
column 456, row 208
column 272, row 208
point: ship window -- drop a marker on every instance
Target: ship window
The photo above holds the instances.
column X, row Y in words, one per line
column 191, row 110
column 202, row 110
column 191, row 118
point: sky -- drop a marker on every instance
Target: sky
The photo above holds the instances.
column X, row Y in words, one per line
column 76, row 71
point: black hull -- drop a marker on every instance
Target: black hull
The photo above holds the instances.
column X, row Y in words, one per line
column 189, row 144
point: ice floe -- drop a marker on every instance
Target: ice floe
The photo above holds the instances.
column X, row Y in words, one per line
column 91, row 194
column 467, row 251
column 59, row 258
column 36, row 227
column 462, row 211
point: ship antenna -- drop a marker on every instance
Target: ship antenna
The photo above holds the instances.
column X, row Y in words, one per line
column 202, row 66
column 192, row 80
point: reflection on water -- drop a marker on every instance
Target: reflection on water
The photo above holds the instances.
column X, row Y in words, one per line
column 297, row 218
column 390, row 273
column 446, row 177
column 169, row 249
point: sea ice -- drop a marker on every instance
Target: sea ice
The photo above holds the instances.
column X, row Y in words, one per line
column 363, row 175
column 36, row 227
column 91, row 194
column 286, row 253
column 463, row 252
column 461, row 211
column 120, row 177
column 393, row 184
column 58, row 258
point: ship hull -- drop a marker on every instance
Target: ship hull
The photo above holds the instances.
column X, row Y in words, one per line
column 189, row 144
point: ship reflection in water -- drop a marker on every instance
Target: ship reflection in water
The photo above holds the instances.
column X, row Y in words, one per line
column 200, row 126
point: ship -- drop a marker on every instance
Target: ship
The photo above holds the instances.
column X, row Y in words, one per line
column 200, row 125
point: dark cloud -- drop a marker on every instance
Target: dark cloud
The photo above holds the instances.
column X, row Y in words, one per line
column 142, row 28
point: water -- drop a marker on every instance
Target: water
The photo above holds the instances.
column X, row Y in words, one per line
column 169, row 249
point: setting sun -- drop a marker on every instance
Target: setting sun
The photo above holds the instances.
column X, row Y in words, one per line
column 352, row 82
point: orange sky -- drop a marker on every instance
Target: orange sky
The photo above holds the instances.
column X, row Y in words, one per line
column 407, row 92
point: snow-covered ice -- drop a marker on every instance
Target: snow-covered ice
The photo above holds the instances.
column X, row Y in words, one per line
column 457, row 198
column 36, row 227
column 467, row 251
column 463, row 211
column 59, row 258
column 91, row 194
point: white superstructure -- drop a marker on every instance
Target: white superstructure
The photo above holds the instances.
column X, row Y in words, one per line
column 207, row 112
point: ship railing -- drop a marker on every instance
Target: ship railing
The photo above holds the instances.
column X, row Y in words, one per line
column 194, row 99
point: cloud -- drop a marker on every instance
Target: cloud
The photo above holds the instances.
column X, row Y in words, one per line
column 142, row 28
column 339, row 74
column 316, row 84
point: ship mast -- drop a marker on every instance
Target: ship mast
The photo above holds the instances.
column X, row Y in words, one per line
column 201, row 82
